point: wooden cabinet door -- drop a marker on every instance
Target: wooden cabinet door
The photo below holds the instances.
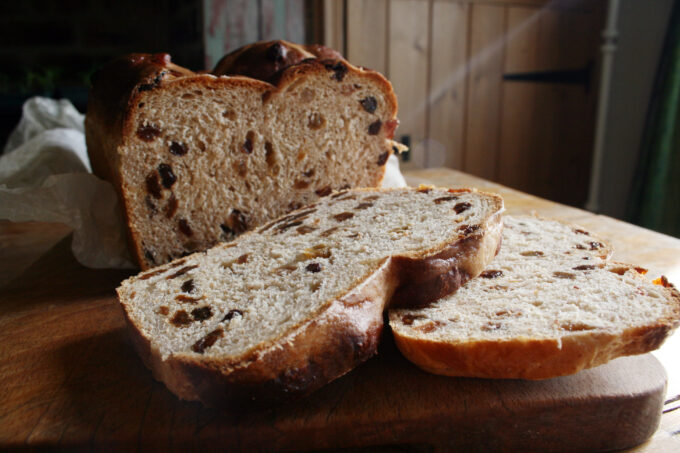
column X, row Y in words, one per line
column 548, row 102
column 505, row 90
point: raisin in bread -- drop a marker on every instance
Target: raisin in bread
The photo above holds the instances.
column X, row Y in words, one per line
column 200, row 158
column 550, row 304
column 286, row 308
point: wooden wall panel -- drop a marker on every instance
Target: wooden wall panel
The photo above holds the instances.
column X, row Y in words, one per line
column 295, row 20
column 447, row 84
column 282, row 20
column 576, row 107
column 561, row 125
column 334, row 30
column 367, row 33
column 487, row 28
column 517, row 151
column 230, row 24
column 408, row 70
column 546, row 118
column 273, row 20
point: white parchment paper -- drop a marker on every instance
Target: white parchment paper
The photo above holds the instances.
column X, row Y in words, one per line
column 45, row 176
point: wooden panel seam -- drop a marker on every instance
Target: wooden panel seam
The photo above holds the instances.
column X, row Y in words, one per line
column 466, row 100
column 428, row 83
column 408, row 70
column 344, row 27
column 499, row 146
column 388, row 26
column 366, row 23
column 447, row 83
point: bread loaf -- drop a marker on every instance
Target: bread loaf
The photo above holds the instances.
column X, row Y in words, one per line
column 550, row 304
column 199, row 158
column 284, row 309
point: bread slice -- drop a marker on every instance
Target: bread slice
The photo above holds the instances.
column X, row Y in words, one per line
column 200, row 158
column 282, row 310
column 550, row 304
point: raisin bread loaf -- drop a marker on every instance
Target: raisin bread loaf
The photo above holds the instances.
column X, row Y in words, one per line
column 200, row 158
column 284, row 309
column 550, row 304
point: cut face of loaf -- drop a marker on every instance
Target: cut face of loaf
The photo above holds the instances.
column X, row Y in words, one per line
column 201, row 158
column 282, row 310
column 550, row 304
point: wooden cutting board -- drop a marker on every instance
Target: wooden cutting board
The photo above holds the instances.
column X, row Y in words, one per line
column 71, row 379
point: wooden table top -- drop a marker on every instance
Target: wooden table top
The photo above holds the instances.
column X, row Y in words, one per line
column 23, row 244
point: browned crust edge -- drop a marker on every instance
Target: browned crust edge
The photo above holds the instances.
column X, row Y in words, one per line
column 264, row 60
column 115, row 88
column 425, row 280
column 120, row 85
column 342, row 334
column 534, row 359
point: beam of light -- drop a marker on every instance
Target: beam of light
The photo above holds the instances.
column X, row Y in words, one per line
column 461, row 72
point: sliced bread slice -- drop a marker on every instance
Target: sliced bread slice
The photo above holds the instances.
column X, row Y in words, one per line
column 550, row 304
column 283, row 310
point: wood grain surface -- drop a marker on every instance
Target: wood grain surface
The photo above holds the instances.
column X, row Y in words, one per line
column 71, row 379
column 448, row 61
column 484, row 89
column 407, row 63
column 448, row 75
column 369, row 18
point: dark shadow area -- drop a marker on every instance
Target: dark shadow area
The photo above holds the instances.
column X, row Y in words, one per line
column 50, row 48
column 58, row 278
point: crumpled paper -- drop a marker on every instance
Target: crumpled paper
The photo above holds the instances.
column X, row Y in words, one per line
column 45, row 176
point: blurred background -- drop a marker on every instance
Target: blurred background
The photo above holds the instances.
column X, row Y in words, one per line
column 572, row 100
